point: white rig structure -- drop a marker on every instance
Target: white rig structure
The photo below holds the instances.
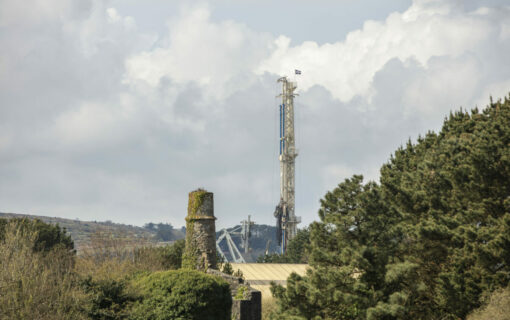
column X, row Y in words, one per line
column 286, row 219
column 244, row 230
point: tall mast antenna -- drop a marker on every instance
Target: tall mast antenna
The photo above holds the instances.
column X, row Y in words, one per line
column 286, row 219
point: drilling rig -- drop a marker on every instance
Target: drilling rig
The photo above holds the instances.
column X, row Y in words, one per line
column 286, row 220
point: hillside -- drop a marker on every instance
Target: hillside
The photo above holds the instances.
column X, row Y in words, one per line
column 82, row 231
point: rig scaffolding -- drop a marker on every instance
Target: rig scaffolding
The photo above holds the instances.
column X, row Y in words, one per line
column 286, row 220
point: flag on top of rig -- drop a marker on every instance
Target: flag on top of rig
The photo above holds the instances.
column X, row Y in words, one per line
column 297, row 71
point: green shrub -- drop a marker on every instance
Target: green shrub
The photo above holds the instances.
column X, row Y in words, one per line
column 183, row 294
column 109, row 299
column 227, row 268
column 242, row 293
column 238, row 274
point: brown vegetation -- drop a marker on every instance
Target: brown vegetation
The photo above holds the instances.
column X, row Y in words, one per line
column 268, row 307
column 36, row 285
column 115, row 256
column 498, row 307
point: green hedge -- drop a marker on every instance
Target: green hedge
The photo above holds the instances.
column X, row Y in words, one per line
column 182, row 294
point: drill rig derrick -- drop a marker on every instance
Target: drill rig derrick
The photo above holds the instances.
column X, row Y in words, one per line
column 286, row 220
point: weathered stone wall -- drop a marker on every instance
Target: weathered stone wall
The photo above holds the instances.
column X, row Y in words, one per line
column 200, row 249
column 249, row 308
column 246, row 305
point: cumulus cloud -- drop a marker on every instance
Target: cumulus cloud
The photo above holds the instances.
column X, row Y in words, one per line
column 101, row 121
column 428, row 29
column 212, row 55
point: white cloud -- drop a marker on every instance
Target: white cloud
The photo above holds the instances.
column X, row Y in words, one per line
column 93, row 123
column 334, row 173
column 446, row 83
column 212, row 55
column 426, row 30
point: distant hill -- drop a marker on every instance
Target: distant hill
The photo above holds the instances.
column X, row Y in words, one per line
column 81, row 231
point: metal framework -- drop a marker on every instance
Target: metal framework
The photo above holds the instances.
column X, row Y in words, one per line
column 244, row 230
column 286, row 219
column 236, row 255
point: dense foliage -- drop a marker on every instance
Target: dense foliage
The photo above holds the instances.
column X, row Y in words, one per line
column 183, row 294
column 109, row 299
column 429, row 242
column 47, row 236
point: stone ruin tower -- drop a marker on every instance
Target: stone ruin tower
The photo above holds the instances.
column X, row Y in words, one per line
column 200, row 254
column 200, row 249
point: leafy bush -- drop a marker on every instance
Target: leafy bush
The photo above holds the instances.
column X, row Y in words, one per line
column 242, row 293
column 108, row 267
column 109, row 299
column 183, row 294
column 227, row 268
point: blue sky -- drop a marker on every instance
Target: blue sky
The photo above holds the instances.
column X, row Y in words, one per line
column 115, row 110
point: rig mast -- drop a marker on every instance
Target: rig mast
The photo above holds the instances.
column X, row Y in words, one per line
column 286, row 219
